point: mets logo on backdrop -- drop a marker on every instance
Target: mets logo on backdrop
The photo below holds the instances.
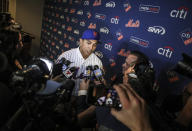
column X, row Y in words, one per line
column 127, row 6
column 186, row 36
column 123, row 52
column 97, row 3
column 157, row 30
column 139, row 41
column 149, row 8
column 104, row 30
column 181, row 13
column 131, row 23
column 166, row 51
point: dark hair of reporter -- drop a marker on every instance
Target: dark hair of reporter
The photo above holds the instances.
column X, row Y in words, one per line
column 146, row 77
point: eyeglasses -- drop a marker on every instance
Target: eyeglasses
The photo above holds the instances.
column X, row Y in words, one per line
column 130, row 65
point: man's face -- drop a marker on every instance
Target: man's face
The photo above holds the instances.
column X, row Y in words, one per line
column 87, row 47
column 128, row 67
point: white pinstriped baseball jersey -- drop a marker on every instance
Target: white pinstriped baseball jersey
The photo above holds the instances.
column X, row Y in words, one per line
column 75, row 56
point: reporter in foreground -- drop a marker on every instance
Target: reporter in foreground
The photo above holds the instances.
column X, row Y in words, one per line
column 133, row 107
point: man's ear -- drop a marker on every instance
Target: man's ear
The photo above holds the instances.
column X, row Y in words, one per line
column 80, row 41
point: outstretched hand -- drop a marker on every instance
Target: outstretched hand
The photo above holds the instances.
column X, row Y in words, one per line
column 134, row 110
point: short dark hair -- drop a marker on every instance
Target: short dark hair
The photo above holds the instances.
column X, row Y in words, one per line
column 141, row 58
column 145, row 73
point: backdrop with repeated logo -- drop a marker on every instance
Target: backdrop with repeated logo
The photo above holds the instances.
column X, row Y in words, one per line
column 160, row 29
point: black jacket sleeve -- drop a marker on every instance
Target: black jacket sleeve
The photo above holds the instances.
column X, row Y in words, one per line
column 81, row 103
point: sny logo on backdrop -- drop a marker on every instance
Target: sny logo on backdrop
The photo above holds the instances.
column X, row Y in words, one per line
column 97, row 3
column 115, row 20
column 86, row 3
column 186, row 36
column 74, row 20
column 80, row 12
column 104, row 30
column 71, row 38
column 63, row 26
column 127, row 6
column 179, row 13
column 139, row 41
column 82, row 23
column 77, row 1
column 108, row 46
column 165, row 51
column 133, row 24
column 149, row 8
column 61, row 42
column 76, row 32
column 110, row 4
column 157, row 30
column 62, row 17
column 59, row 32
column 100, row 16
column 57, row 47
column 66, row 10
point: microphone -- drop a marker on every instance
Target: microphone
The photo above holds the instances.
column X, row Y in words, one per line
column 88, row 72
column 98, row 73
column 70, row 72
column 60, row 66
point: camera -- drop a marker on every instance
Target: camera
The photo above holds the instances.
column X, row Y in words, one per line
column 43, row 100
column 184, row 66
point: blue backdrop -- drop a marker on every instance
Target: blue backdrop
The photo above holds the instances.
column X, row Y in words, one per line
column 160, row 29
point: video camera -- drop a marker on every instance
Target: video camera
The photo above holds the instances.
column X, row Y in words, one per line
column 40, row 68
column 184, row 67
column 41, row 97
column 6, row 20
